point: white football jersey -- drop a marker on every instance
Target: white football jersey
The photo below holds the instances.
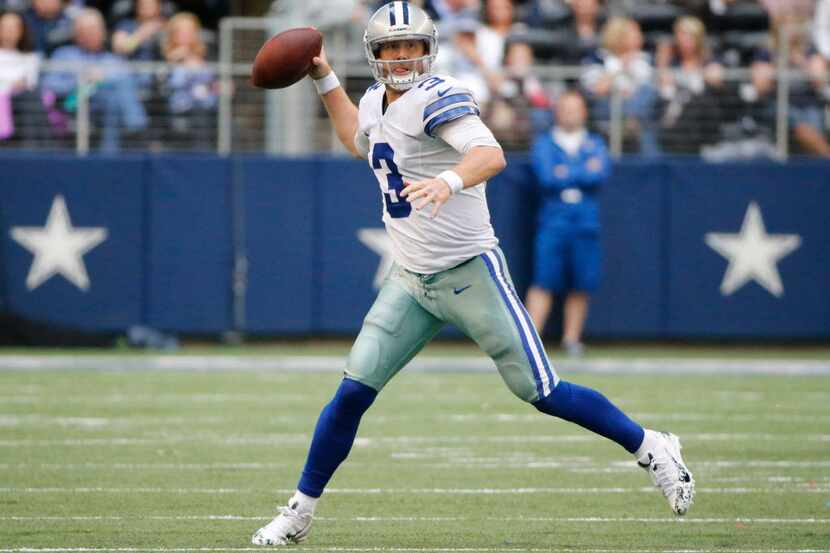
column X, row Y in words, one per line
column 404, row 145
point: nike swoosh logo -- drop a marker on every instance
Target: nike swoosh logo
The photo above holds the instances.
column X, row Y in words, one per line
column 441, row 93
column 457, row 291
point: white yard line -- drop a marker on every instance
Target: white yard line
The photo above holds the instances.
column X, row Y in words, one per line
column 589, row 520
column 298, row 363
column 823, row 488
column 395, row 550
column 570, row 464
column 11, row 420
column 380, row 441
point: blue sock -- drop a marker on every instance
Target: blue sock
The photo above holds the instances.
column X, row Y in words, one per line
column 334, row 435
column 592, row 410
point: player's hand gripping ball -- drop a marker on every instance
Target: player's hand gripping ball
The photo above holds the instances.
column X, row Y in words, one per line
column 286, row 58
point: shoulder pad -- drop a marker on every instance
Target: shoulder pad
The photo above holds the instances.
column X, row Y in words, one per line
column 445, row 99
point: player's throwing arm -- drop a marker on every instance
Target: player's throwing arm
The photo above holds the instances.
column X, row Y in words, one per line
column 341, row 109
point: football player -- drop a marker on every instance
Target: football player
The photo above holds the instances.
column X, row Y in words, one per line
column 422, row 136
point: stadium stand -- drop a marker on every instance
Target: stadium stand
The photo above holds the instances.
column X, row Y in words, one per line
column 775, row 105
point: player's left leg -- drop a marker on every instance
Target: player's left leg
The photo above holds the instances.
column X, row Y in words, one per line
column 395, row 329
column 491, row 314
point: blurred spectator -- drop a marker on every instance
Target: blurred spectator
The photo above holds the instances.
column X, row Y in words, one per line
column 457, row 22
column 325, row 14
column 140, row 38
column 821, row 28
column 622, row 67
column 21, row 114
column 806, row 113
column 689, row 79
column 751, row 135
column 510, row 113
column 49, row 24
column 570, row 165
column 192, row 88
column 800, row 9
column 583, row 39
column 479, row 49
column 446, row 11
column 112, row 91
column 547, row 14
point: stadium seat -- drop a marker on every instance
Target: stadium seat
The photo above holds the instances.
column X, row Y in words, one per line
column 546, row 44
column 655, row 17
column 741, row 17
column 550, row 13
column 741, row 45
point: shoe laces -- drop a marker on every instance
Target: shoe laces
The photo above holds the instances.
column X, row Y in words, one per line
column 286, row 518
column 292, row 514
column 287, row 511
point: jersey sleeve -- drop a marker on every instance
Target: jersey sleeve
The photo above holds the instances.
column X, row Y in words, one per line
column 466, row 133
column 447, row 103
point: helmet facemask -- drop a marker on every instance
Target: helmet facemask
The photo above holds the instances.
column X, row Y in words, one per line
column 384, row 70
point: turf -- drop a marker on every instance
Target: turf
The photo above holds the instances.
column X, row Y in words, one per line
column 171, row 461
column 463, row 348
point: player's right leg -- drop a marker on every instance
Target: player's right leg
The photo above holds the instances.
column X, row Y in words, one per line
column 396, row 328
column 491, row 314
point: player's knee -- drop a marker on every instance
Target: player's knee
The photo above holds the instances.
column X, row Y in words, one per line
column 496, row 345
column 558, row 401
column 367, row 359
column 353, row 398
column 517, row 380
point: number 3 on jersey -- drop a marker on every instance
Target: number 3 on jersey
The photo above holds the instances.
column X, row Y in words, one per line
column 385, row 168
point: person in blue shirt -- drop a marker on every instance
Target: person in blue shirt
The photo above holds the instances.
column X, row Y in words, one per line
column 112, row 88
column 50, row 25
column 570, row 164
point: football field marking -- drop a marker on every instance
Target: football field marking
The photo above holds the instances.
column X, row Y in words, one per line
column 394, row 550
column 303, row 439
column 480, row 363
column 140, row 421
column 588, row 520
column 586, row 464
column 809, row 488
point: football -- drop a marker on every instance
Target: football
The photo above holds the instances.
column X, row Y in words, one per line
column 286, row 58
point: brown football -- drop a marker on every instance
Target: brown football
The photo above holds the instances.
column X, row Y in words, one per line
column 286, row 58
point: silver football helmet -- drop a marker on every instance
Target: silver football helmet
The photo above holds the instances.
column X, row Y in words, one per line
column 400, row 21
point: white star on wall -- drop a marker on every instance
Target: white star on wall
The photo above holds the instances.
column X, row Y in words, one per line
column 752, row 253
column 377, row 240
column 58, row 248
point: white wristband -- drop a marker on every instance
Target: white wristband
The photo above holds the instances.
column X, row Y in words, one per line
column 327, row 83
column 453, row 180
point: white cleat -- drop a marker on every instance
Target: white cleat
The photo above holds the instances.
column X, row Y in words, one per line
column 670, row 474
column 290, row 526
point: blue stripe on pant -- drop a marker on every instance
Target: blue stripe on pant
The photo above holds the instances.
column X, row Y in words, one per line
column 533, row 332
column 533, row 352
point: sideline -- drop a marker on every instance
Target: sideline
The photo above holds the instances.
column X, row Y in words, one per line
column 471, row 364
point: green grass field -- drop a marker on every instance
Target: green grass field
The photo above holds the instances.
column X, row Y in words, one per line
column 172, row 461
